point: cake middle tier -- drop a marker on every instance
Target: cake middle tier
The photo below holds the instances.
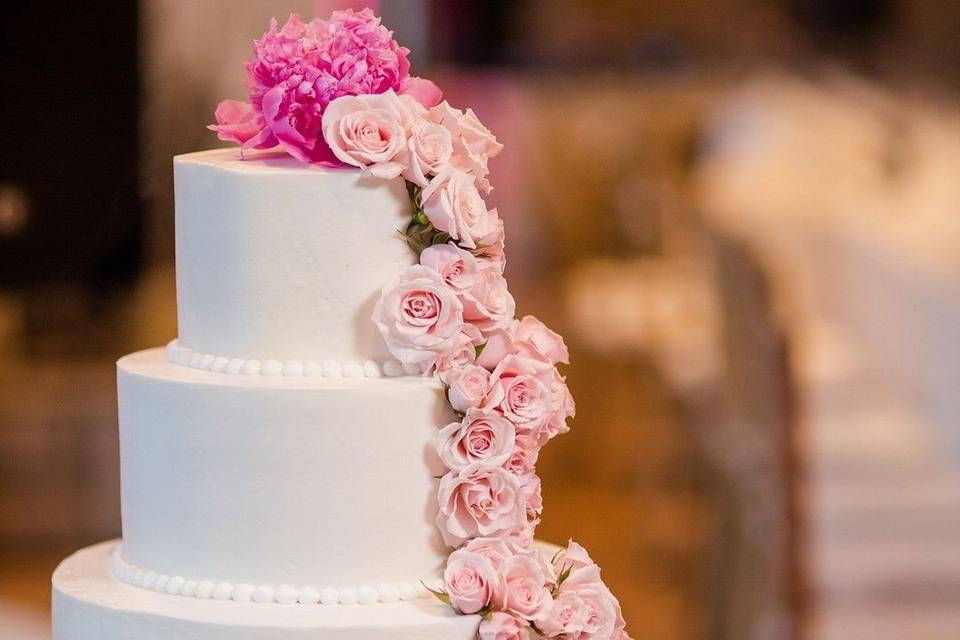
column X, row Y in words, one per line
column 300, row 482
column 277, row 260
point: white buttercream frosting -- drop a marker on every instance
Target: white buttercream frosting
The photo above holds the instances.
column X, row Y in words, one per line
column 278, row 262
column 271, row 481
column 89, row 603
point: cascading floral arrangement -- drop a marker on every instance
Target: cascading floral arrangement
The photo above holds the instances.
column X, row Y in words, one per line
column 337, row 91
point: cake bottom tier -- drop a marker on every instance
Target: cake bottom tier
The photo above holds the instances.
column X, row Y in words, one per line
column 89, row 603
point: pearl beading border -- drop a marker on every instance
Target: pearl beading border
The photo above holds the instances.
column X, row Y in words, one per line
column 187, row 357
column 265, row 593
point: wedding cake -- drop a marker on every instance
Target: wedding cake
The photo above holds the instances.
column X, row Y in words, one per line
column 341, row 442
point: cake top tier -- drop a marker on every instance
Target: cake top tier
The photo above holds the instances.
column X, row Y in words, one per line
column 279, row 260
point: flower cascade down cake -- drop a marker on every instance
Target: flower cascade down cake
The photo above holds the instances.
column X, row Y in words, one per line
column 341, row 442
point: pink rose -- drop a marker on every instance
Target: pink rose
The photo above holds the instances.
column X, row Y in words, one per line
column 590, row 613
column 419, row 316
column 533, row 339
column 424, row 91
column 462, row 353
column 493, row 244
column 236, row 122
column 479, row 437
column 466, row 386
column 489, row 305
column 429, row 149
column 453, row 204
column 524, row 457
column 471, row 582
column 479, row 500
column 532, row 499
column 498, row 345
column 520, row 390
column 459, row 268
column 497, row 550
column 474, row 144
column 368, row 132
column 567, row 616
column 525, row 593
column 503, row 626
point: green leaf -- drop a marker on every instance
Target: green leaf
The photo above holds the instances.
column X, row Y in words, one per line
column 479, row 349
column 437, row 593
column 562, row 577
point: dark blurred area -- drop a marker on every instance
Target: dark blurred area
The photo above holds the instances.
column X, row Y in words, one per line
column 742, row 215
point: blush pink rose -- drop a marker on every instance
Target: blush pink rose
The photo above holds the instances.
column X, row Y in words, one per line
column 419, row 316
column 424, row 91
column 479, row 438
column 236, row 122
column 503, row 626
column 429, row 148
column 459, row 268
column 497, row 550
column 492, row 246
column 498, row 345
column 368, row 132
column 453, row 204
column 566, row 617
column 532, row 498
column 466, row 386
column 471, row 582
column 520, row 389
column 533, row 339
column 479, row 500
column 525, row 591
column 523, row 460
column 474, row 144
column 489, row 306
column 463, row 352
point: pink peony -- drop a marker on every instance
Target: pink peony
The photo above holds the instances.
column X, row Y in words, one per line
column 471, row 582
column 453, row 204
column 520, row 389
column 533, row 339
column 466, row 386
column 479, row 500
column 369, row 132
column 299, row 69
column 418, row 315
column 459, row 268
column 503, row 626
column 479, row 437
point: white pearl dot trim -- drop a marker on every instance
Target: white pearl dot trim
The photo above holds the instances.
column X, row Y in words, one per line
column 265, row 593
column 187, row 357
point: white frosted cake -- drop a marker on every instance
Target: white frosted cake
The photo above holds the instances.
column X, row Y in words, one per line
column 341, row 442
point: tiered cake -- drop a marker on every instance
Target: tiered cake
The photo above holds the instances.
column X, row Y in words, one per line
column 341, row 443
column 274, row 452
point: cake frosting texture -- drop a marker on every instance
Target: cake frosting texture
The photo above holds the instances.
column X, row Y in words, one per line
column 278, row 482
column 284, row 262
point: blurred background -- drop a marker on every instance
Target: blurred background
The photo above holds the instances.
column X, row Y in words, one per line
column 744, row 216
